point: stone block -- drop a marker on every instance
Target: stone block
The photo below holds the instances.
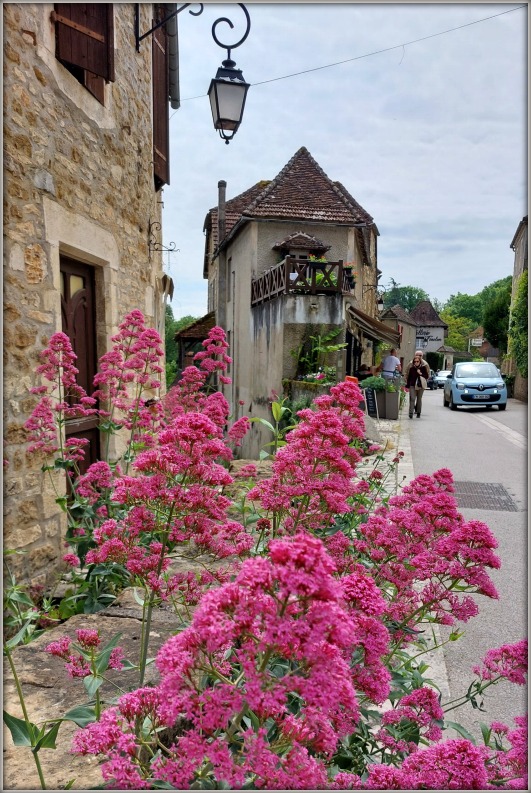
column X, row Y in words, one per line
column 34, row 259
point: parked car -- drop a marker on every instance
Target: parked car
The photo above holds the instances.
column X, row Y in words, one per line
column 475, row 383
column 431, row 381
column 440, row 377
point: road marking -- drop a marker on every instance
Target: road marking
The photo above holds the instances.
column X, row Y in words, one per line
column 510, row 435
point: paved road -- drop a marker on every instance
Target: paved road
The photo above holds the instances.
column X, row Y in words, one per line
column 483, row 446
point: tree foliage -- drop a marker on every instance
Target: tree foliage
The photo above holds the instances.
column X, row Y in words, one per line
column 172, row 326
column 472, row 307
column 459, row 329
column 518, row 325
column 496, row 317
column 405, row 296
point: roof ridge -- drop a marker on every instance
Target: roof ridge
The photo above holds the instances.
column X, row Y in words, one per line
column 271, row 186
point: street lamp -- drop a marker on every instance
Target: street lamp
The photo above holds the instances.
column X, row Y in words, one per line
column 228, row 89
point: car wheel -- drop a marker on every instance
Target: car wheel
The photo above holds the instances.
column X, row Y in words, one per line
column 453, row 406
column 502, row 407
column 445, row 401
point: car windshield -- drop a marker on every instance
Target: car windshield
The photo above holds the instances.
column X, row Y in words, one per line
column 476, row 370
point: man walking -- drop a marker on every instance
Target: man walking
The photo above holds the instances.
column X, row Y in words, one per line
column 390, row 365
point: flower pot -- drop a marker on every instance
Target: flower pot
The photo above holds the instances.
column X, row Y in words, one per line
column 392, row 404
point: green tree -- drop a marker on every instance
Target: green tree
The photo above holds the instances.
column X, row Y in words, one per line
column 496, row 318
column 405, row 296
column 173, row 326
column 473, row 307
column 459, row 329
column 518, row 325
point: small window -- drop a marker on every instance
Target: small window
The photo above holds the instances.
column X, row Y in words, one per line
column 84, row 43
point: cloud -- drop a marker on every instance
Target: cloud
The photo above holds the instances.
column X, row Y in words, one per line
column 430, row 138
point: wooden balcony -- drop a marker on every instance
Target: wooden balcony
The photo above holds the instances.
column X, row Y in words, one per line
column 300, row 276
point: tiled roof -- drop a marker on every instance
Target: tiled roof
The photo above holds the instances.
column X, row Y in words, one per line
column 400, row 313
column 301, row 191
column 425, row 314
column 198, row 329
column 299, row 239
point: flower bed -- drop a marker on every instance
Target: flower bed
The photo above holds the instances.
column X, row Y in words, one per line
column 302, row 618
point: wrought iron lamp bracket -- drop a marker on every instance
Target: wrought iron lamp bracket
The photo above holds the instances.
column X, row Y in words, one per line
column 154, row 245
column 139, row 38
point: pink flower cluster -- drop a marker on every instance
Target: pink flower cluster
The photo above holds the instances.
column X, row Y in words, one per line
column 312, row 474
column 77, row 664
column 508, row 661
column 421, row 537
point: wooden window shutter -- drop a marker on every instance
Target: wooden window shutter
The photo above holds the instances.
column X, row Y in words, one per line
column 85, row 37
column 161, row 121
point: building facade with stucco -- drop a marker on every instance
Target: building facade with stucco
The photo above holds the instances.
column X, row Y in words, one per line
column 286, row 260
column 85, row 158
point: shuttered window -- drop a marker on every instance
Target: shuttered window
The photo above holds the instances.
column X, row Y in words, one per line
column 84, row 43
column 161, row 89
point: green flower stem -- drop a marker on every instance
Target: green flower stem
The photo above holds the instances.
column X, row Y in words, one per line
column 25, row 713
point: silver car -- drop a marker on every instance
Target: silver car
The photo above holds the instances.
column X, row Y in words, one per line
column 440, row 377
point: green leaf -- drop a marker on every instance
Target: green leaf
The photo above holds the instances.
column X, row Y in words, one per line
column 16, row 596
column 63, row 502
column 47, row 741
column 23, row 733
column 486, row 733
column 263, row 455
column 69, row 784
column 461, row 730
column 92, row 684
column 81, row 715
column 277, row 410
column 137, row 597
column 265, row 422
column 103, row 657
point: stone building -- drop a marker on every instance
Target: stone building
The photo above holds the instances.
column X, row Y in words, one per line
column 276, row 262
column 431, row 330
column 85, row 158
column 519, row 245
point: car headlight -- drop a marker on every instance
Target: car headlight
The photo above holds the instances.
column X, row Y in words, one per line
column 460, row 386
column 499, row 385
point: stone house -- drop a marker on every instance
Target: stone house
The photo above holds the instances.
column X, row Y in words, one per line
column 519, row 246
column 400, row 320
column 85, row 157
column 431, row 330
column 270, row 297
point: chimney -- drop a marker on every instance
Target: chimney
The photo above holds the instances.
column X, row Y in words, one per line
column 222, row 185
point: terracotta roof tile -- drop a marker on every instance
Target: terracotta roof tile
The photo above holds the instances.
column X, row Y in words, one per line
column 299, row 239
column 400, row 313
column 198, row 329
column 425, row 314
column 301, row 191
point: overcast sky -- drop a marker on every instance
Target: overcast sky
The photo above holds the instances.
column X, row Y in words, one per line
column 429, row 137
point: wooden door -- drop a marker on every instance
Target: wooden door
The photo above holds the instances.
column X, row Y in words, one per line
column 79, row 324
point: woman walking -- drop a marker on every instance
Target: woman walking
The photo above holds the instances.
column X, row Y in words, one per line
column 417, row 374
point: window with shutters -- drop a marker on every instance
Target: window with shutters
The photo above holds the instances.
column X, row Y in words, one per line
column 161, row 90
column 84, row 43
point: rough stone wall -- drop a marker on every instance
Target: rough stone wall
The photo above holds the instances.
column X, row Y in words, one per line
column 78, row 180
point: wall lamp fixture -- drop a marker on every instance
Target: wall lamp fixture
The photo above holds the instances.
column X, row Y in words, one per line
column 379, row 296
column 228, row 89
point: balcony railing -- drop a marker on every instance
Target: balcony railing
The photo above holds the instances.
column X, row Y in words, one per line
column 300, row 276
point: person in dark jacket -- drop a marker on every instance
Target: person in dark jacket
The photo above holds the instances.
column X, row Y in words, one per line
column 417, row 374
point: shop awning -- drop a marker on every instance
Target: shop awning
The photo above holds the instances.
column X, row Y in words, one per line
column 372, row 328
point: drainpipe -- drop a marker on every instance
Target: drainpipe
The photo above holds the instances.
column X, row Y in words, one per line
column 221, row 315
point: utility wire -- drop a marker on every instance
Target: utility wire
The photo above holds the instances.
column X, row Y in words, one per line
column 369, row 54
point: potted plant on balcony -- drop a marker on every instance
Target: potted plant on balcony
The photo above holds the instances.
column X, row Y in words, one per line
column 350, row 275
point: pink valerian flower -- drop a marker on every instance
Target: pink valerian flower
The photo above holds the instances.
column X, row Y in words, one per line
column 71, row 559
column 421, row 708
column 292, row 607
column 239, row 430
column 419, row 536
column 131, row 368
column 42, row 429
column 248, row 471
column 508, row 767
column 98, row 479
column 213, row 357
column 312, row 474
column 508, row 661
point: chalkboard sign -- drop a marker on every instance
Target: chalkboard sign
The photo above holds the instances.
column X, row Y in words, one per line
column 370, row 401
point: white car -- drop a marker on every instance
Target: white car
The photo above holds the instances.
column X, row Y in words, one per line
column 440, row 377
